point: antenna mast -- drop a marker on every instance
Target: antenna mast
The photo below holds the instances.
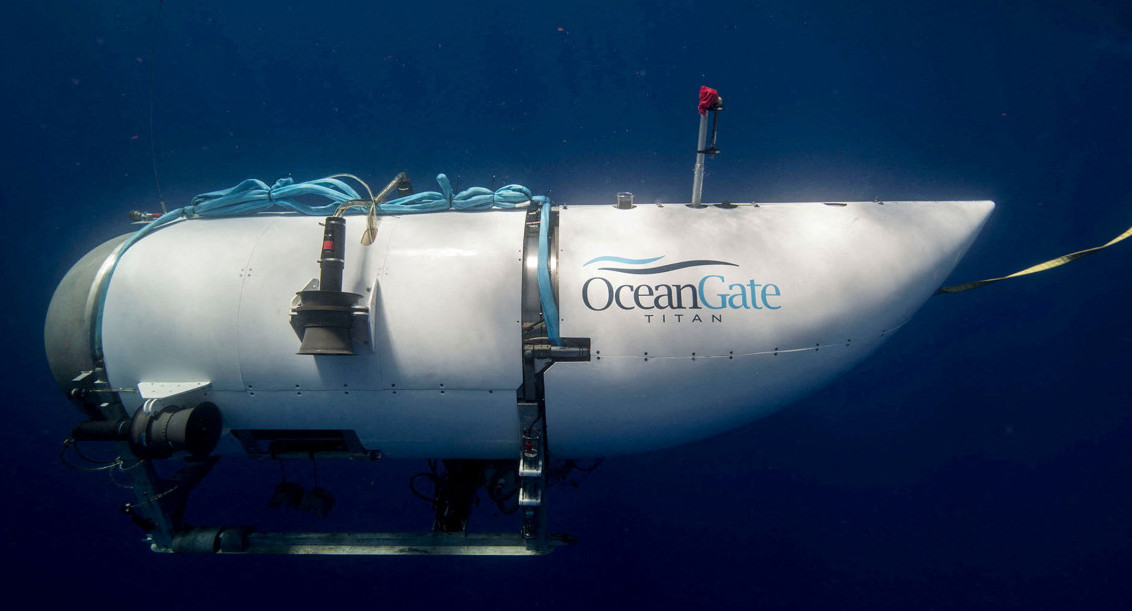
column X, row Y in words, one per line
column 709, row 100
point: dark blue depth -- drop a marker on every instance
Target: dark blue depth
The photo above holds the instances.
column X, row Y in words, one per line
column 978, row 460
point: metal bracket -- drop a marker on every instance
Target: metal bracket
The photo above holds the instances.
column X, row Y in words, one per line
column 91, row 392
column 159, row 395
column 532, row 453
column 161, row 502
column 538, row 355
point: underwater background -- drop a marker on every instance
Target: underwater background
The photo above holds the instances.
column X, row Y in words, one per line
column 979, row 460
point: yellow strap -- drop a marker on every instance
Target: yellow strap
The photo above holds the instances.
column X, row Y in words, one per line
column 1041, row 267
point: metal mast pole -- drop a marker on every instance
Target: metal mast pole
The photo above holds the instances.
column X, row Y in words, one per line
column 701, row 145
column 709, row 100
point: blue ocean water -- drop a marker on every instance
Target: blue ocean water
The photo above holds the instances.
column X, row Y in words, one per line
column 978, row 460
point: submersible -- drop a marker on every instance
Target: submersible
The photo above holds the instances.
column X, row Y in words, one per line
column 496, row 329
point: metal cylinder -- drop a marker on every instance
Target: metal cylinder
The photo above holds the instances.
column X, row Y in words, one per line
column 333, row 254
column 195, row 430
column 102, row 430
column 698, row 180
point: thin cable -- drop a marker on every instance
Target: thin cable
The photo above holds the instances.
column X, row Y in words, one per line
column 152, row 78
column 102, row 465
column 373, row 201
column 161, row 494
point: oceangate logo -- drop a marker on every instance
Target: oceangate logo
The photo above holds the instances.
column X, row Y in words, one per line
column 712, row 291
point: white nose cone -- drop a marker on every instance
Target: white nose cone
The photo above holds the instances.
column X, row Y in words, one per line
column 702, row 320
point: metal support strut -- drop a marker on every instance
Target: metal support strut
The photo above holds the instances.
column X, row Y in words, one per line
column 161, row 502
column 159, row 428
column 539, row 353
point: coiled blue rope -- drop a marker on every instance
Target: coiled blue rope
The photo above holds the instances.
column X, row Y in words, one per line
column 475, row 198
column 253, row 196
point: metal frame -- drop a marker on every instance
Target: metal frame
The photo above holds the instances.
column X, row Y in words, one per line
column 161, row 502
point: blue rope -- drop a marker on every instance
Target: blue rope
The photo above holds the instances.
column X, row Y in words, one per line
column 545, row 290
column 475, row 198
column 253, row 196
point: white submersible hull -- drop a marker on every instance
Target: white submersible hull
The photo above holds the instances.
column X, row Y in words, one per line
column 697, row 320
column 489, row 329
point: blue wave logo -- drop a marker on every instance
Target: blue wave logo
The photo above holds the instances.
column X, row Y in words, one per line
column 659, row 269
column 713, row 292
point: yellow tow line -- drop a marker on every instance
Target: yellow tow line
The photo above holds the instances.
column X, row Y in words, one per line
column 1041, row 267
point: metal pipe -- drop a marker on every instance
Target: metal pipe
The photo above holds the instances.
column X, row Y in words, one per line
column 333, row 254
column 701, row 146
